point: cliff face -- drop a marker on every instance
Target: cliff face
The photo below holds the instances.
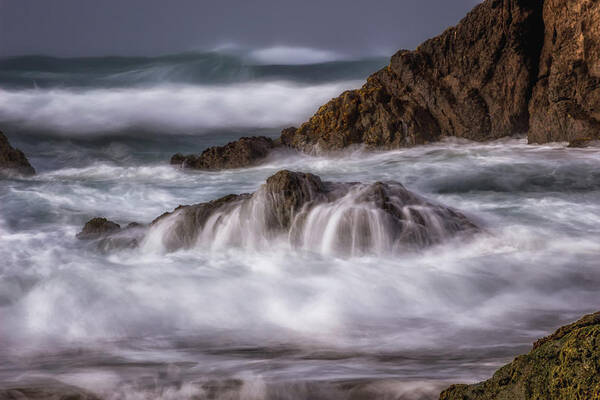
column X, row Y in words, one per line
column 565, row 365
column 566, row 99
column 505, row 61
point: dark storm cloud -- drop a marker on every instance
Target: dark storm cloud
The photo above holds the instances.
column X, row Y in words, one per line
column 95, row 27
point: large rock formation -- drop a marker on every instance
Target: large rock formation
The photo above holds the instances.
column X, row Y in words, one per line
column 473, row 81
column 241, row 153
column 566, row 99
column 13, row 160
column 563, row 366
column 317, row 215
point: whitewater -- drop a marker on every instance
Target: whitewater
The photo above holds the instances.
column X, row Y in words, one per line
column 267, row 320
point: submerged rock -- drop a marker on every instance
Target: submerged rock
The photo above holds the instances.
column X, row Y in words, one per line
column 13, row 160
column 562, row 366
column 108, row 235
column 333, row 217
column 244, row 152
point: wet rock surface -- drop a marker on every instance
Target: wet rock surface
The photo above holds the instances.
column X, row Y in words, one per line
column 355, row 216
column 245, row 152
column 108, row 235
column 562, row 366
column 46, row 390
column 12, row 160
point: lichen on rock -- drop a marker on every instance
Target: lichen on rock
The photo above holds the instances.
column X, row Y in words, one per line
column 562, row 366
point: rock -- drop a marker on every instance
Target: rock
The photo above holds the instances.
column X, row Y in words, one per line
column 473, row 81
column 13, row 160
column 565, row 105
column 244, row 152
column 45, row 390
column 107, row 235
column 98, row 227
column 562, row 366
column 309, row 212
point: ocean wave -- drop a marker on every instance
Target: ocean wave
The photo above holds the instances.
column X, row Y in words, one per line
column 176, row 108
column 215, row 67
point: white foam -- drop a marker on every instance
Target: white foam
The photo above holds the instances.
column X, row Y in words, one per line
column 167, row 108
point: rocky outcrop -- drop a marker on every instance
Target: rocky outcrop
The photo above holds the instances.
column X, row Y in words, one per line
column 509, row 67
column 13, row 160
column 562, row 366
column 473, row 81
column 108, row 235
column 244, row 152
column 309, row 212
column 566, row 100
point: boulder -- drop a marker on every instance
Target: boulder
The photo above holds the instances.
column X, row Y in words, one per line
column 562, row 366
column 244, row 152
column 310, row 213
column 13, row 160
column 107, row 235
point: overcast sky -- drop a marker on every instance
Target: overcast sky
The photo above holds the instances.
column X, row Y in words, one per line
column 149, row 27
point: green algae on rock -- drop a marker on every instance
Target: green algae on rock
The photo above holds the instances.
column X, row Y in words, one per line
column 562, row 366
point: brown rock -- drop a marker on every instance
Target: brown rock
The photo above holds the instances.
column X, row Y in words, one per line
column 566, row 100
column 281, row 205
column 562, row 366
column 244, row 152
column 13, row 160
column 97, row 227
column 473, row 81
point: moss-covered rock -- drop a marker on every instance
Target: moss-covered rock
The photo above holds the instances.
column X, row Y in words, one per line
column 562, row 366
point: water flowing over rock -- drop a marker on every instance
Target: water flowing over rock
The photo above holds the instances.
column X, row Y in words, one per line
column 244, row 152
column 108, row 235
column 13, row 160
column 328, row 217
column 565, row 365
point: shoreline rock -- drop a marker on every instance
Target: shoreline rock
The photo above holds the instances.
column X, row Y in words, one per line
column 299, row 206
column 13, row 160
column 510, row 67
column 564, row 365
column 244, row 152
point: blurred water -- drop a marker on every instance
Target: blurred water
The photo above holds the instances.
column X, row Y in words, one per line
column 283, row 322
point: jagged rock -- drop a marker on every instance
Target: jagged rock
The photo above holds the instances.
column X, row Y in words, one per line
column 308, row 211
column 244, row 152
column 473, row 81
column 13, row 160
column 562, row 366
column 566, row 100
column 108, row 235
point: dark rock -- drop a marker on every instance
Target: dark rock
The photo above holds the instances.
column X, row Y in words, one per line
column 97, row 227
column 473, row 81
column 13, row 160
column 107, row 235
column 564, row 365
column 244, row 152
column 566, row 100
column 282, row 205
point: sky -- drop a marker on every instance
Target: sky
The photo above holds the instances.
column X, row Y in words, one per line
column 153, row 27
